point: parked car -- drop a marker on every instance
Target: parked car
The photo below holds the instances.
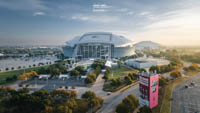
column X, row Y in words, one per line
column 109, row 93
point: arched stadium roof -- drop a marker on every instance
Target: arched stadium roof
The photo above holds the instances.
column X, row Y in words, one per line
column 100, row 37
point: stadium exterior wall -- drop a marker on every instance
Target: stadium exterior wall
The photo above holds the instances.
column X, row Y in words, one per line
column 98, row 45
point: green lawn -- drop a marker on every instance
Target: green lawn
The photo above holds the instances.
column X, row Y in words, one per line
column 119, row 71
column 3, row 75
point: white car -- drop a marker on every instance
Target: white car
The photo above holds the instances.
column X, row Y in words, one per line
column 109, row 93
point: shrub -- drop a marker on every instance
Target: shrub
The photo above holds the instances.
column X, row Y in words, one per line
column 128, row 80
column 194, row 67
column 145, row 109
column 175, row 74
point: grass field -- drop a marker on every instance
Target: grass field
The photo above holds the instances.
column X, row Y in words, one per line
column 4, row 75
column 120, row 71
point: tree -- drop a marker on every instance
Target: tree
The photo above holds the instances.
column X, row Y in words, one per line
column 92, row 76
column 134, row 76
column 80, row 69
column 89, row 80
column 75, row 73
column 145, row 109
column 60, row 94
column 54, row 71
column 88, row 95
column 194, row 67
column 128, row 104
column 100, row 63
column 185, row 68
column 98, row 70
column 72, row 104
column 116, row 82
column 122, row 108
column 175, row 74
column 43, row 98
column 155, row 68
column 128, row 80
column 73, row 94
column 162, row 81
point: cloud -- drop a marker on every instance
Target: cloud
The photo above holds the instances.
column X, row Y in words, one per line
column 187, row 18
column 144, row 13
column 101, row 7
column 130, row 13
column 92, row 18
column 22, row 4
column 123, row 10
column 39, row 14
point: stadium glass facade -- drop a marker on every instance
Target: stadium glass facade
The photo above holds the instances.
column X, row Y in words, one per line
column 92, row 50
column 98, row 46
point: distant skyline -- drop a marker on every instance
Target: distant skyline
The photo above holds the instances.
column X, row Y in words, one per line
column 53, row 22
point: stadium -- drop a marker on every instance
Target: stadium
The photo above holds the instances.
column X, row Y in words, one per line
column 98, row 45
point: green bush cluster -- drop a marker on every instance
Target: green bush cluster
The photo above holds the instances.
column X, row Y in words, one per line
column 100, row 63
column 91, row 78
column 116, row 81
column 175, row 74
column 53, row 70
column 106, row 74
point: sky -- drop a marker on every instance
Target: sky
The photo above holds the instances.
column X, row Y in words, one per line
column 53, row 22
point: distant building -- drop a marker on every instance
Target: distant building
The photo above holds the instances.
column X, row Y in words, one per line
column 1, row 55
column 148, row 86
column 140, row 63
column 98, row 45
column 145, row 45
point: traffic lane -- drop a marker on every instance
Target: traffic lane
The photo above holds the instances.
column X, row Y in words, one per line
column 187, row 100
column 111, row 102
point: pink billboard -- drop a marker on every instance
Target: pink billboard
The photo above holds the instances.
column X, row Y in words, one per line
column 153, row 92
column 148, row 86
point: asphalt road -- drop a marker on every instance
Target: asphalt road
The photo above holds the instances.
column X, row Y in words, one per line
column 111, row 102
column 187, row 100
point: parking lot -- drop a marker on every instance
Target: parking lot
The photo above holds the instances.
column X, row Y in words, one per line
column 15, row 63
column 186, row 97
column 72, row 84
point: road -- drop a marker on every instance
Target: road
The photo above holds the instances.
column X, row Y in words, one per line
column 187, row 100
column 111, row 102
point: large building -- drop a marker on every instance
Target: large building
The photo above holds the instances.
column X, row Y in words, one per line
column 148, row 86
column 98, row 45
column 146, row 45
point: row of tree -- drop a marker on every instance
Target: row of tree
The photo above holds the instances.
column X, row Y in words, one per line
column 42, row 101
column 193, row 67
column 27, row 75
column 53, row 70
column 79, row 70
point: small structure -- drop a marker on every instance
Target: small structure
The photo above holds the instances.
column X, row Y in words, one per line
column 83, row 77
column 44, row 76
column 148, row 86
column 141, row 63
column 63, row 76
column 1, row 54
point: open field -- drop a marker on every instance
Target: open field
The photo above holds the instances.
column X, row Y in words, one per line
column 120, row 71
column 3, row 75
